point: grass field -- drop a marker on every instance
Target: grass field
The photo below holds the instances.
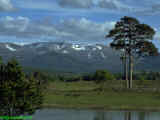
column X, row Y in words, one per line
column 102, row 96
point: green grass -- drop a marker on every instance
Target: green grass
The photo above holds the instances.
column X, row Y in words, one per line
column 87, row 95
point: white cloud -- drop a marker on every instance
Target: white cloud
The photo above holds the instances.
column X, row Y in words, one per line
column 141, row 7
column 157, row 35
column 68, row 30
column 107, row 4
column 76, row 3
column 14, row 24
column 6, row 5
column 86, row 30
column 113, row 4
column 84, row 24
column 37, row 4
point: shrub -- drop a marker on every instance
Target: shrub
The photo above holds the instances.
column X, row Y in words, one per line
column 102, row 75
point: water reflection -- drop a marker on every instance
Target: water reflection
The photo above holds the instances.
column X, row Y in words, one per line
column 123, row 116
column 65, row 114
column 141, row 116
column 127, row 116
column 99, row 116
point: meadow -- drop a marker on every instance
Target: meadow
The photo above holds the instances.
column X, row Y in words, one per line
column 111, row 95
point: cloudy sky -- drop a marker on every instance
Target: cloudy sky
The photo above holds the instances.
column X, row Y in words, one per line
column 76, row 21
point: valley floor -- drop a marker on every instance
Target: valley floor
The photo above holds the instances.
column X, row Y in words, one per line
column 110, row 96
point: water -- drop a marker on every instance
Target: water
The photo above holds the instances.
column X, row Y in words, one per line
column 67, row 114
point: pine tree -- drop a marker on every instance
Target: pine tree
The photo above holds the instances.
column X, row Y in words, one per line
column 18, row 95
column 134, row 39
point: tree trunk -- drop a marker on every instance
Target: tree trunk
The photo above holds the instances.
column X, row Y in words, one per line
column 130, row 70
column 126, row 70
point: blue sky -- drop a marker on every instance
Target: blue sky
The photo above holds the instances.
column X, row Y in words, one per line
column 76, row 21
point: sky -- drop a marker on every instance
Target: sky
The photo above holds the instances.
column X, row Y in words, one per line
column 74, row 21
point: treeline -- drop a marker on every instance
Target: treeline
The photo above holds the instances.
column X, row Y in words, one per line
column 98, row 76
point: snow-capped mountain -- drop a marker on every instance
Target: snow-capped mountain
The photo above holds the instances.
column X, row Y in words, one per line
column 68, row 57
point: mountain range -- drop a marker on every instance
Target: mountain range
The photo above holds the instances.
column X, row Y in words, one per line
column 67, row 57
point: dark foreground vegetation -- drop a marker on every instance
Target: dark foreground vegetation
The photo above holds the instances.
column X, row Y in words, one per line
column 20, row 94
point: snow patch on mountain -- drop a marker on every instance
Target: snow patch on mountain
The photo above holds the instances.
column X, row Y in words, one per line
column 102, row 54
column 78, row 47
column 57, row 47
column 89, row 55
column 39, row 45
column 99, row 47
column 10, row 48
column 94, row 49
column 21, row 43
column 65, row 52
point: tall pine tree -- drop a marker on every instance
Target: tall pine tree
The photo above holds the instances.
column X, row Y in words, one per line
column 134, row 39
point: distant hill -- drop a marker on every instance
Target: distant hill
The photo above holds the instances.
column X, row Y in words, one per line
column 65, row 57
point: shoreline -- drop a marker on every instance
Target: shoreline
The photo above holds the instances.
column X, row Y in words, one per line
column 106, row 108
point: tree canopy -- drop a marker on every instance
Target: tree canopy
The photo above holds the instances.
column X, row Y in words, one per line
column 131, row 36
column 18, row 95
column 133, row 39
column 102, row 75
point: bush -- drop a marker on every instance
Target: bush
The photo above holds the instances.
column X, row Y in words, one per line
column 102, row 75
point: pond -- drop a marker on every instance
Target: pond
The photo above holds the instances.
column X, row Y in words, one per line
column 71, row 114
